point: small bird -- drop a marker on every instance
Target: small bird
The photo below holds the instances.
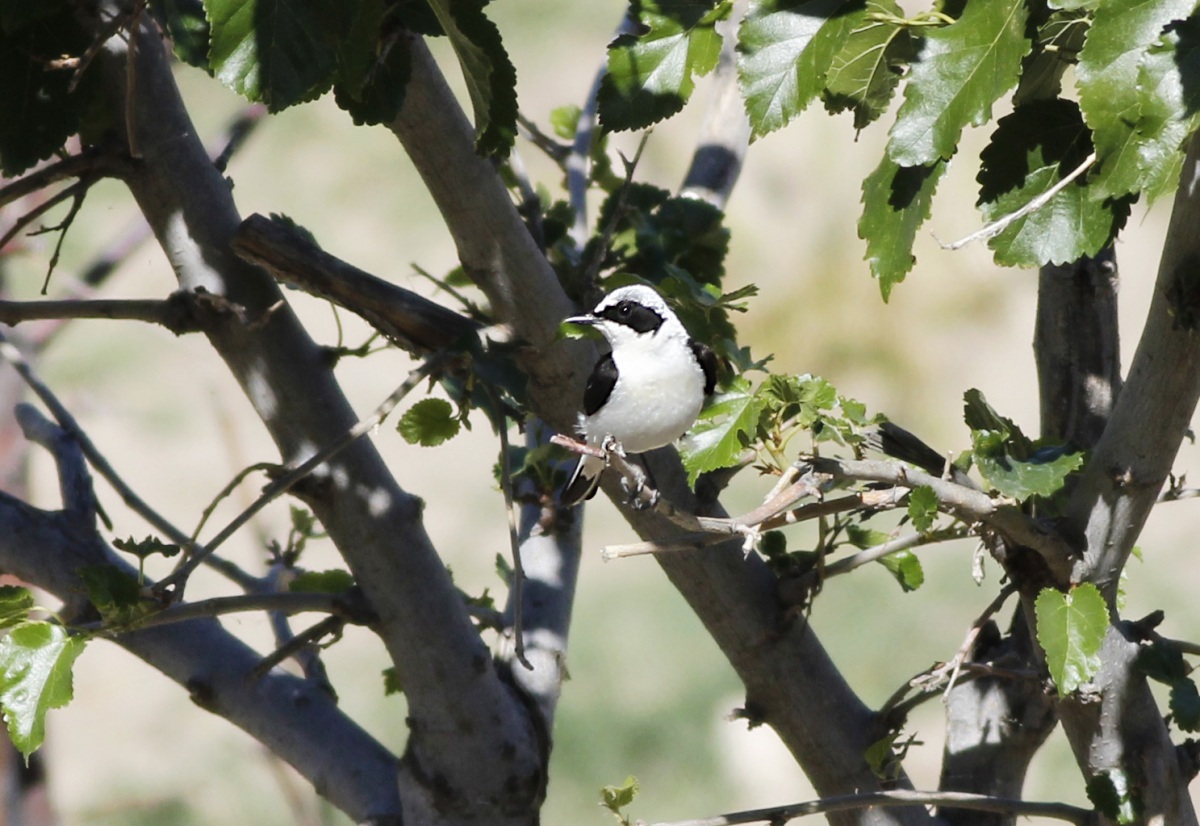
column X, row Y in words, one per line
column 648, row 390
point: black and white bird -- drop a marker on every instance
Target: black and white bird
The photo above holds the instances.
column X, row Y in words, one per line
column 648, row 390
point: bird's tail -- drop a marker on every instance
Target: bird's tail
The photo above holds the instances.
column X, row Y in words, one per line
column 584, row 481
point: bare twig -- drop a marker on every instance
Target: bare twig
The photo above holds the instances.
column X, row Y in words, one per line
column 10, row 354
column 284, row 602
column 959, row 800
column 515, row 544
column 174, row 313
column 965, row 503
column 277, row 488
column 91, row 163
column 414, row 322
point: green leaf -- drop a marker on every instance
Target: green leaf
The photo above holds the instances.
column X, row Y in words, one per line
column 1169, row 106
column 786, row 47
column 616, row 798
column 1071, row 629
column 651, row 74
column 15, row 604
column 391, row 682
column 1185, row 704
column 146, row 547
column 1109, row 74
column 116, row 594
column 1115, row 796
column 35, row 676
column 429, row 422
column 1043, row 474
column 40, row 111
column 864, row 73
column 1057, row 42
column 725, row 427
column 332, row 581
column 1031, row 151
column 896, row 201
column 922, row 507
column 488, row 71
column 278, row 52
column 1162, row 661
column 906, row 568
column 187, row 26
column 961, row 71
column 374, row 67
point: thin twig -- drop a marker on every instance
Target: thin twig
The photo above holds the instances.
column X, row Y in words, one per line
column 514, row 540
column 174, row 313
column 1000, row 224
column 41, row 209
column 277, row 488
column 330, row 625
column 90, row 162
column 10, row 354
column 957, row 800
column 285, row 602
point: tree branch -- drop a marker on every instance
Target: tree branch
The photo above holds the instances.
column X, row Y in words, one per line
column 417, row 324
column 176, row 313
column 299, row 724
column 849, row 802
column 376, row 525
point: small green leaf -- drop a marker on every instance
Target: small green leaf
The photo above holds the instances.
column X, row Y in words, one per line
column 864, row 73
column 896, row 202
column 41, row 111
column 1043, row 475
column 650, row 74
column 922, row 507
column 116, row 594
column 429, row 422
column 725, row 428
column 1114, row 796
column 978, row 414
column 906, row 568
column 15, row 604
column 863, row 538
column 187, row 26
column 146, row 547
column 1162, row 661
column 616, row 798
column 960, row 72
column 333, row 581
column 36, row 659
column 1071, row 629
column 1185, row 704
column 391, row 682
column 785, row 50
column 372, row 73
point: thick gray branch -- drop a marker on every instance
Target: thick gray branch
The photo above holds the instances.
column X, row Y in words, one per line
column 412, row 321
column 1077, row 347
column 446, row 668
column 1133, row 457
column 292, row 717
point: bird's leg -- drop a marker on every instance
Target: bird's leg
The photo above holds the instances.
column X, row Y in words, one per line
column 634, row 479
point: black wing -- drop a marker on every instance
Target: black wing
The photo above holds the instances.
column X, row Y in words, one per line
column 600, row 384
column 708, row 363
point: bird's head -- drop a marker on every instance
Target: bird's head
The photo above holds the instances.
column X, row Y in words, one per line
column 632, row 313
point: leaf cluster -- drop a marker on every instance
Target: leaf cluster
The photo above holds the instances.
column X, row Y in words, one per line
column 744, row 425
column 1124, row 124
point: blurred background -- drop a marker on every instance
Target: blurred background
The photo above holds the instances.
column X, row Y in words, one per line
column 649, row 693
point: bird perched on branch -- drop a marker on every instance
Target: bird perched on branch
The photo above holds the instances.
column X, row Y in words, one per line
column 648, row 390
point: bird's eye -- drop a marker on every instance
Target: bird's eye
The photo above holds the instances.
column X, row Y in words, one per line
column 624, row 310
